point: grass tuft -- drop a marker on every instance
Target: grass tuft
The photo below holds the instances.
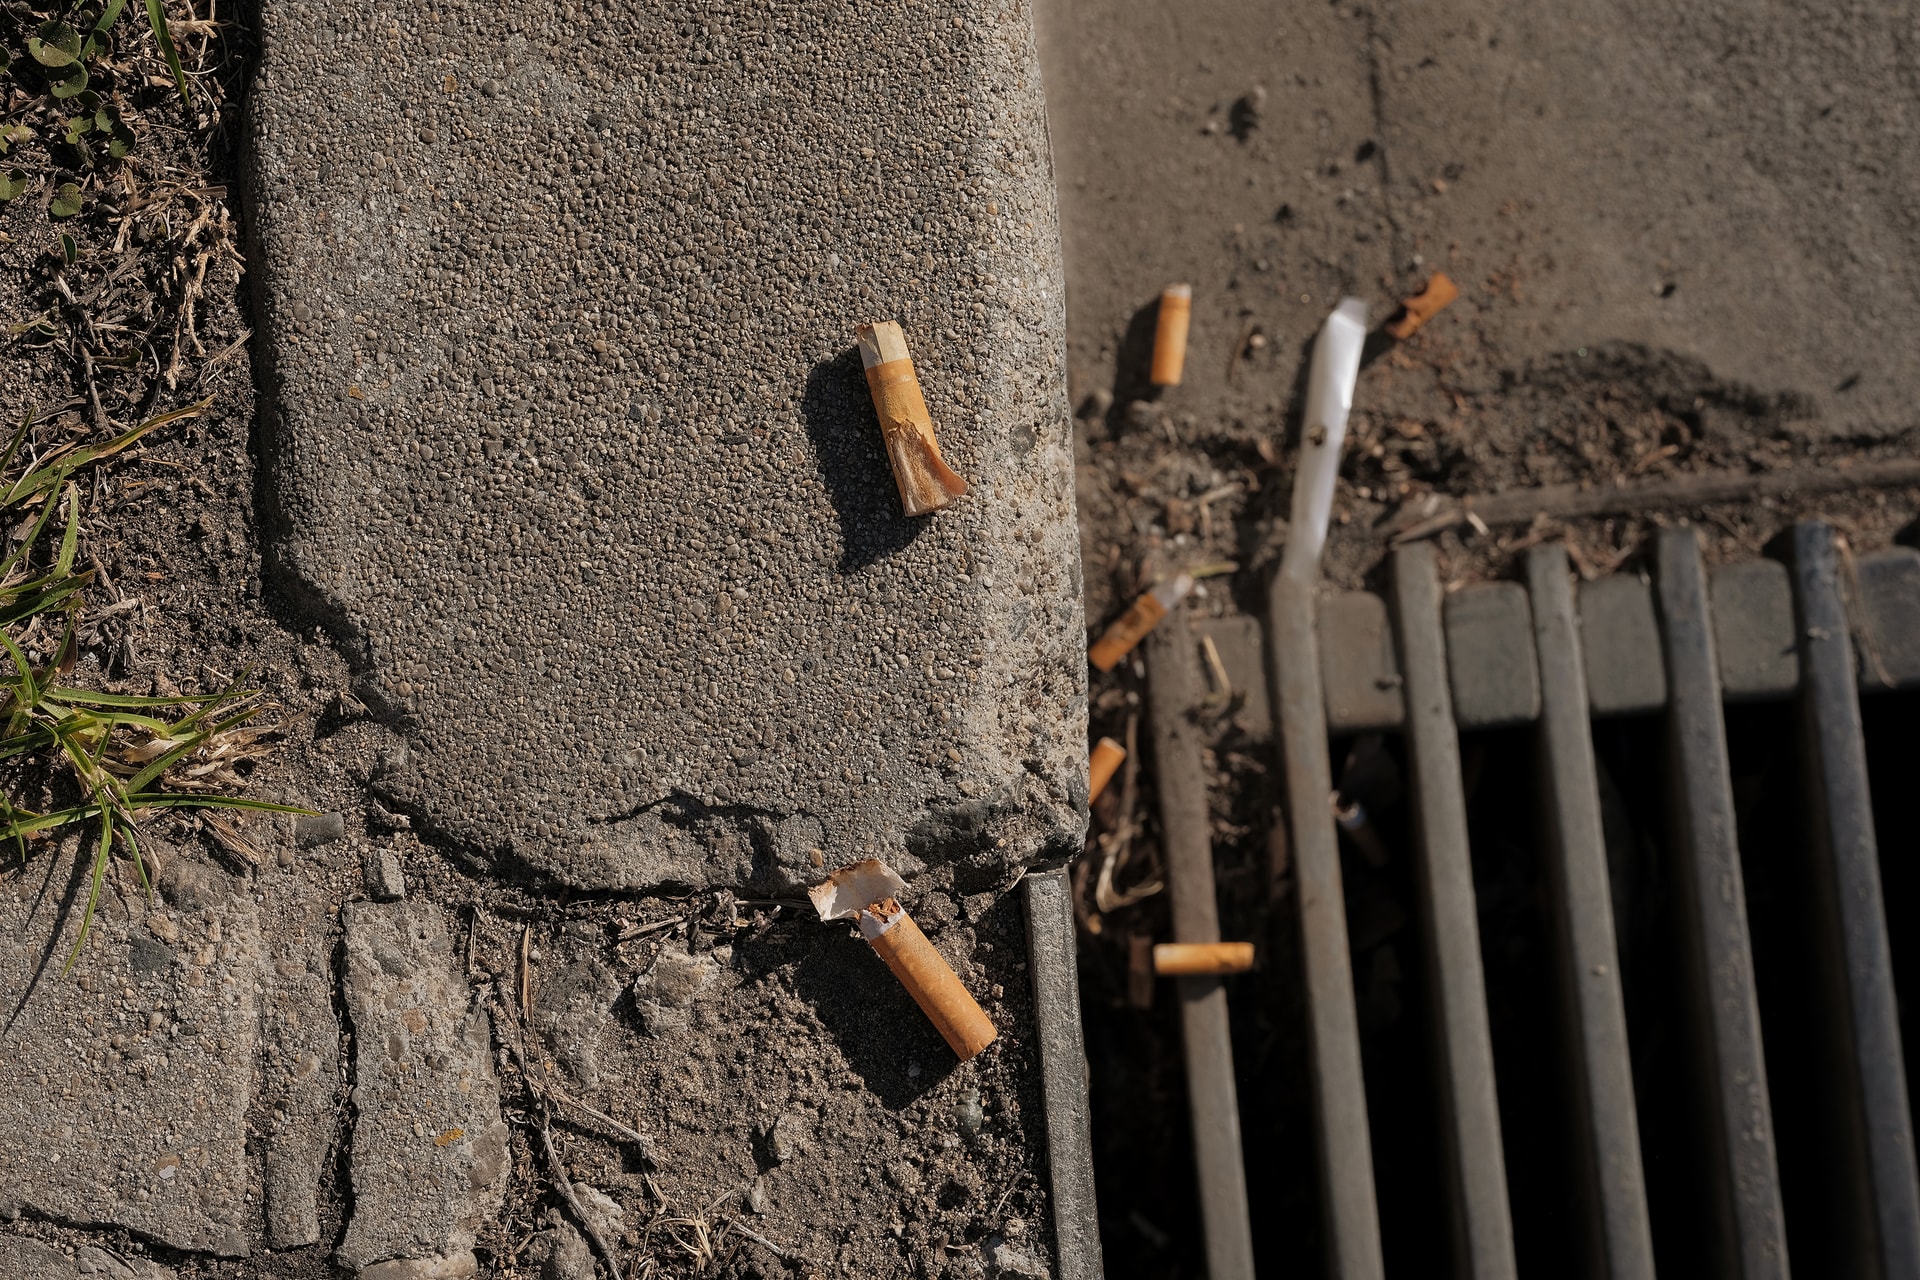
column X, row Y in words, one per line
column 127, row 756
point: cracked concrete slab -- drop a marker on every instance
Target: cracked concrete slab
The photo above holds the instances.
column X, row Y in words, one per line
column 300, row 1050
column 125, row 1099
column 430, row 1156
column 568, row 441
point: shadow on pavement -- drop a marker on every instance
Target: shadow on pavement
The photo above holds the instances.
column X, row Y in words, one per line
column 840, row 422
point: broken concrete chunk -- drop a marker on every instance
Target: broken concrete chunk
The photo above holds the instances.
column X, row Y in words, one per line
column 456, row 1266
column 31, row 1260
column 1005, row 1262
column 791, row 1134
column 573, row 1012
column 603, row 1209
column 560, row 1253
column 91, row 1260
column 429, row 1146
column 678, row 978
column 300, row 1070
column 386, row 881
column 130, row 1080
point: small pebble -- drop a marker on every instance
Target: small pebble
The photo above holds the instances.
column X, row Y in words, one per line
column 967, row 1113
column 323, row 829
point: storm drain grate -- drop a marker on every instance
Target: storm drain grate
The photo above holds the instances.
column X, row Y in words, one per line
column 1544, row 668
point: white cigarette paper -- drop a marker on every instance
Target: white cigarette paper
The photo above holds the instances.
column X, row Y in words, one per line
column 869, row 893
column 1330, row 382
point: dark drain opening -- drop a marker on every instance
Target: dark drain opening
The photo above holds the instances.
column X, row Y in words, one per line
column 1663, row 1029
column 1769, row 805
column 1392, row 998
column 1893, row 771
column 1499, row 768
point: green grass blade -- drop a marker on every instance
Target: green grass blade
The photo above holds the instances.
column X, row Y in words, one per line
column 187, row 800
column 13, row 446
column 100, row 857
column 53, row 469
column 28, row 695
column 93, row 698
column 34, row 823
column 41, row 601
column 20, row 556
column 157, row 19
column 69, row 541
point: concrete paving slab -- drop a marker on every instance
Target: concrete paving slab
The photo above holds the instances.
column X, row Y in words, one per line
column 567, row 441
column 300, row 1049
column 126, row 1101
column 430, row 1156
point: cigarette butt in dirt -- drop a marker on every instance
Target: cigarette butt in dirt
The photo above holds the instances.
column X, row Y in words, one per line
column 926, row 482
column 1131, row 627
column 1430, row 302
column 1107, row 757
column 1170, row 335
column 869, row 894
column 1186, row 959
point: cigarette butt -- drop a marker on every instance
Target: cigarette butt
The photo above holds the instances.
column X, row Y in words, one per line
column 1185, row 959
column 1430, row 302
column 1107, row 757
column 867, row 892
column 925, row 480
column 1170, row 335
column 1131, row 627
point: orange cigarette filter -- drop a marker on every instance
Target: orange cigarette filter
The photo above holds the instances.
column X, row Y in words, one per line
column 1170, row 335
column 1430, row 302
column 1131, row 627
column 867, row 892
column 1188, row 959
column 925, row 481
column 1108, row 756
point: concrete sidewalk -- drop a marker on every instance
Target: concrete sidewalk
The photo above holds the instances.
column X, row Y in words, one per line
column 568, row 441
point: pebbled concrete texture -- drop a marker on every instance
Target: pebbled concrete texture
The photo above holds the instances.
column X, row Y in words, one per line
column 430, row 1158
column 299, row 1051
column 130, row 1078
column 567, row 440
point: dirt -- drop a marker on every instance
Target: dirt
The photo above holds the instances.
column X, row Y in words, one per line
column 1628, row 312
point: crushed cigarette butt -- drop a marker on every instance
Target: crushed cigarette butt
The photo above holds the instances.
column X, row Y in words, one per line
column 1170, row 335
column 1106, row 758
column 1430, row 302
column 1131, row 627
column 1186, row 959
column 868, row 893
column 925, row 480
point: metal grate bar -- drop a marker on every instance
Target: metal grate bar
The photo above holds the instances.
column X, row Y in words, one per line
column 1333, row 1036
column 1877, row 1196
column 1212, row 1098
column 1470, row 1111
column 1750, row 1227
column 1608, row 1134
column 1052, row 951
